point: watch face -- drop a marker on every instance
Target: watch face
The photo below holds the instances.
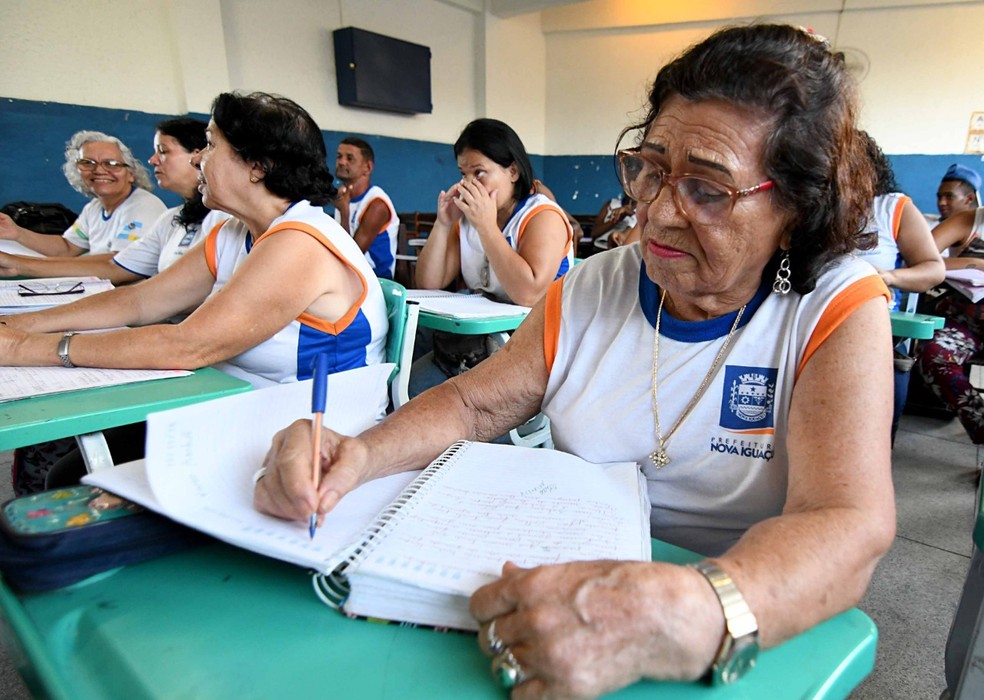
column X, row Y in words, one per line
column 741, row 662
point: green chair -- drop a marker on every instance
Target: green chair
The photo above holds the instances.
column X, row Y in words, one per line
column 402, row 315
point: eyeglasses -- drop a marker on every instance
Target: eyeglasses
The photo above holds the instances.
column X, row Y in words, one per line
column 88, row 165
column 703, row 201
column 50, row 289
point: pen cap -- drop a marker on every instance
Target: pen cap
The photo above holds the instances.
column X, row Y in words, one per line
column 319, row 389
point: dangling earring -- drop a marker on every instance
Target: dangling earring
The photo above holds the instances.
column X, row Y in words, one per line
column 781, row 284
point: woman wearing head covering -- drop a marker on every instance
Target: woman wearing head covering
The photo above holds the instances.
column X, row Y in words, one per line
column 739, row 354
column 175, row 232
column 122, row 208
column 272, row 288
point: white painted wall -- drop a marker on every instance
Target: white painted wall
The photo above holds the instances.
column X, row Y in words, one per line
column 516, row 77
column 567, row 79
column 173, row 56
column 917, row 97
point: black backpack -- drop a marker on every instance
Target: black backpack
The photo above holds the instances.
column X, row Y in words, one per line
column 41, row 217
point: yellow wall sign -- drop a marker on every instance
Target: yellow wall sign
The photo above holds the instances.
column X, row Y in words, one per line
column 975, row 134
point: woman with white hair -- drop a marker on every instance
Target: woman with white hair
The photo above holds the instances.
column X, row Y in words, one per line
column 122, row 209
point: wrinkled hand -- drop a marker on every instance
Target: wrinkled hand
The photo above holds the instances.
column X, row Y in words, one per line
column 584, row 629
column 477, row 204
column 287, row 491
column 8, row 229
column 447, row 213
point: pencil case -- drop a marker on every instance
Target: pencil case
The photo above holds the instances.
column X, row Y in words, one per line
column 58, row 537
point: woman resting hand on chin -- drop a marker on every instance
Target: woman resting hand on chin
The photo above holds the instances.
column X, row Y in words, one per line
column 739, row 354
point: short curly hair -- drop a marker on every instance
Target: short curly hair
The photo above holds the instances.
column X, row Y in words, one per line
column 141, row 178
column 823, row 177
column 282, row 137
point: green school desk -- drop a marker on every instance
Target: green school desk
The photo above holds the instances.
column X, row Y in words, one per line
column 88, row 411
column 906, row 324
column 218, row 622
column 469, row 326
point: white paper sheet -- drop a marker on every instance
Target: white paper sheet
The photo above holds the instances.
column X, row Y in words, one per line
column 11, row 300
column 463, row 305
column 201, row 459
column 26, row 382
column 15, row 248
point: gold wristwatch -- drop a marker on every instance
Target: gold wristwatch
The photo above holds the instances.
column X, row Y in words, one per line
column 740, row 646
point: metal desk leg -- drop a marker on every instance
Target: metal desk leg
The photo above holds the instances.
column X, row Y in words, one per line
column 95, row 451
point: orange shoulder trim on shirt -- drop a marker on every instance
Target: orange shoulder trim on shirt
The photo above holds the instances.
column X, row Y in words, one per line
column 897, row 215
column 551, row 322
column 536, row 210
column 320, row 324
column 842, row 306
column 211, row 244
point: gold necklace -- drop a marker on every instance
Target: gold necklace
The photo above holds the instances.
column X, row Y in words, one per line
column 659, row 456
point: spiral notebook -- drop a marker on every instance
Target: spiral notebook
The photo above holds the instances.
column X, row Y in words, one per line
column 476, row 507
column 410, row 547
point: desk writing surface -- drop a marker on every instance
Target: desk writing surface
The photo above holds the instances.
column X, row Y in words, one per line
column 218, row 622
column 29, row 421
column 906, row 324
column 469, row 326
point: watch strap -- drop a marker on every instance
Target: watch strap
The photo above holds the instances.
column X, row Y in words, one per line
column 741, row 627
column 63, row 350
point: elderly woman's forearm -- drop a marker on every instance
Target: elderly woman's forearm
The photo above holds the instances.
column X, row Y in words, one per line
column 827, row 557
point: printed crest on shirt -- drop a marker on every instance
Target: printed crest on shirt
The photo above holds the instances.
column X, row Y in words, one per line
column 130, row 231
column 748, row 398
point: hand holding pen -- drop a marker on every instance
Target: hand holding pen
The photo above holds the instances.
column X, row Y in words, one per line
column 319, row 395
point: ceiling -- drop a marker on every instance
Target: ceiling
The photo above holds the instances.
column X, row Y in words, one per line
column 509, row 8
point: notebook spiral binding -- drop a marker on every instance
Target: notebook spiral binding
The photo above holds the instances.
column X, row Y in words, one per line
column 333, row 587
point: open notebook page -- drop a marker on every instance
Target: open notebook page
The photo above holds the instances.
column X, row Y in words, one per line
column 493, row 503
column 201, row 459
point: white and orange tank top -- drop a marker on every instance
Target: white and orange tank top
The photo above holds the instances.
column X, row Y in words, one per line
column 356, row 340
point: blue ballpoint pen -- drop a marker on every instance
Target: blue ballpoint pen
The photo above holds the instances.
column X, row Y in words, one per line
column 319, row 395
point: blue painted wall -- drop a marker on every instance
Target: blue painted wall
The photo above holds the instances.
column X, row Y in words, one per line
column 33, row 136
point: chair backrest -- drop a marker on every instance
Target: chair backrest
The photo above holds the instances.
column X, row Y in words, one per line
column 402, row 318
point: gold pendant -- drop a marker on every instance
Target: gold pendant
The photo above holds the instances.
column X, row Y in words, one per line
column 660, row 458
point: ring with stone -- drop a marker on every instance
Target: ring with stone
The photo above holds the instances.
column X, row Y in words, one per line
column 507, row 670
column 495, row 644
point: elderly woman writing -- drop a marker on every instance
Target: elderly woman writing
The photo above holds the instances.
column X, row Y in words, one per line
column 122, row 208
column 739, row 354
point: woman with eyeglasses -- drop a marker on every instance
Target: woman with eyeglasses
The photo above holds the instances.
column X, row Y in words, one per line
column 174, row 233
column 121, row 211
column 272, row 287
column 739, row 354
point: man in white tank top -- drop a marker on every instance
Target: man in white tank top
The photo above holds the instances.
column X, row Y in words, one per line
column 364, row 209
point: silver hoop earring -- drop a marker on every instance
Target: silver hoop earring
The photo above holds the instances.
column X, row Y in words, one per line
column 781, row 285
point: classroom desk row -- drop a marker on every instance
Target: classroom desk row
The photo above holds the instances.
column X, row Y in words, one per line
column 219, row 622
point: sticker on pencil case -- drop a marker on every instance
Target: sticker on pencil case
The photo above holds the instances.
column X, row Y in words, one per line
column 64, row 509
